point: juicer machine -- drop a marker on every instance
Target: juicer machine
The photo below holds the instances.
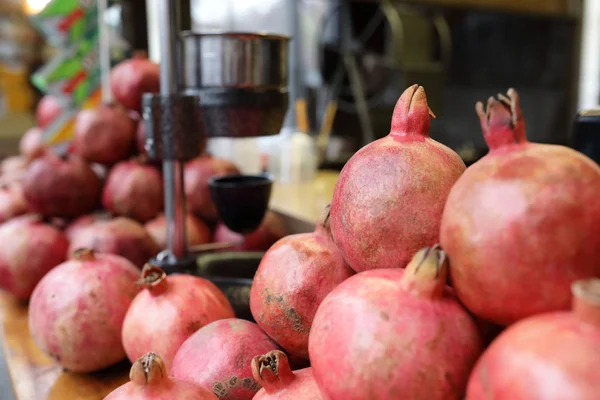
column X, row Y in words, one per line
column 226, row 84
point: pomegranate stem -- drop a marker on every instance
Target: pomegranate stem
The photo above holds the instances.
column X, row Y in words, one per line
column 152, row 276
column 272, row 371
column 427, row 273
column 502, row 121
column 412, row 115
column 148, row 370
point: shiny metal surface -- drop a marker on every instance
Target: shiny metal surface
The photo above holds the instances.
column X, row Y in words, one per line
column 234, row 60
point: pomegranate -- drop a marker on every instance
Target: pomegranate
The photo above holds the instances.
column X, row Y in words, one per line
column 31, row 145
column 219, row 357
column 548, row 356
column 272, row 371
column 30, row 248
column 197, row 232
column 196, row 175
column 514, row 224
column 49, row 108
column 12, row 201
column 104, row 135
column 168, row 311
column 131, row 79
column 389, row 197
column 150, row 381
column 61, row 186
column 13, row 164
column 284, row 301
column 73, row 229
column 120, row 236
column 387, row 332
column 270, row 230
column 77, row 310
column 134, row 189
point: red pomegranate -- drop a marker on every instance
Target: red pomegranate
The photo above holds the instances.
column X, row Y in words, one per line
column 284, row 301
column 168, row 311
column 49, row 108
column 134, row 189
column 514, row 224
column 387, row 332
column 77, row 310
column 270, row 230
column 197, row 232
column 74, row 228
column 12, row 201
column 272, row 371
column 61, row 186
column 389, row 198
column 197, row 193
column 31, row 144
column 219, row 357
column 548, row 356
column 131, row 79
column 120, row 236
column 104, row 135
column 150, row 381
column 30, row 248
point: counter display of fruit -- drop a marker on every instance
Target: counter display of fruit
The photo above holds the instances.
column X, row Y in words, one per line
column 423, row 279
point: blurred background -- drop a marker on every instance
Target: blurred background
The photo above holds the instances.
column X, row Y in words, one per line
column 351, row 60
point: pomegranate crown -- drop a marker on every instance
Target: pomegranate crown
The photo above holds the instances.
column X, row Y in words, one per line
column 412, row 115
column 502, row 121
column 272, row 371
column 148, row 370
column 427, row 273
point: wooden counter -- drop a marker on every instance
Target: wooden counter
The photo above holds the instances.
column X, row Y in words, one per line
column 35, row 377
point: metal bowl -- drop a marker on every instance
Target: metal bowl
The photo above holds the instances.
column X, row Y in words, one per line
column 233, row 60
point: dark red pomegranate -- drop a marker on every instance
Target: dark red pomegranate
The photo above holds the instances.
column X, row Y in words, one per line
column 131, row 79
column 197, row 172
column 270, row 230
column 272, row 371
column 49, row 108
column 77, row 310
column 134, row 189
column 521, row 222
column 31, row 144
column 168, row 311
column 30, row 248
column 197, row 232
column 120, row 236
column 61, row 186
column 395, row 333
column 284, row 301
column 104, row 135
column 548, row 356
column 150, row 381
column 12, row 201
column 389, row 198
column 219, row 357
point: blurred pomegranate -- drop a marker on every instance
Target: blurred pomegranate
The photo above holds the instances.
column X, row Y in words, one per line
column 131, row 79
column 48, row 109
column 31, row 145
column 270, row 230
column 197, row 232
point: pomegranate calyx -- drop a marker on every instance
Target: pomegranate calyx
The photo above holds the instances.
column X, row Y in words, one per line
column 412, row 115
column 148, row 370
column 502, row 120
column 427, row 273
column 586, row 300
column 152, row 275
column 84, row 254
column 272, row 371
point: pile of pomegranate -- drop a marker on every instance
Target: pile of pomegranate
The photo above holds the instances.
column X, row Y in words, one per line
column 424, row 279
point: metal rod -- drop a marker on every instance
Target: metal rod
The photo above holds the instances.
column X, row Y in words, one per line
column 172, row 170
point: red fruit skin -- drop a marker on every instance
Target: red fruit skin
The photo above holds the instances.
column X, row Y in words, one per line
column 104, row 135
column 31, row 145
column 162, row 317
column 30, row 249
column 48, row 109
column 61, row 187
column 120, row 236
column 547, row 356
column 134, row 190
column 389, row 198
column 74, row 228
column 77, row 310
column 369, row 340
column 12, row 202
column 514, row 225
column 197, row 193
column 197, row 232
column 131, row 79
column 304, row 387
column 270, row 231
column 218, row 357
column 284, row 301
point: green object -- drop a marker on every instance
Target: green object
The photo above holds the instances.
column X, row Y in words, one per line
column 65, row 22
